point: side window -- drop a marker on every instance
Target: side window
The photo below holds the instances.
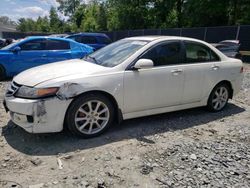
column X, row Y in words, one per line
column 198, row 53
column 57, row 45
column 37, row 44
column 104, row 40
column 214, row 56
column 75, row 38
column 165, row 54
column 72, row 37
column 88, row 40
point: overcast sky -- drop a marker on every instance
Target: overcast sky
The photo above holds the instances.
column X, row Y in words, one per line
column 16, row 9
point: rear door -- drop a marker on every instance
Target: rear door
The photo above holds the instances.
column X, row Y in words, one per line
column 199, row 72
column 32, row 53
column 58, row 50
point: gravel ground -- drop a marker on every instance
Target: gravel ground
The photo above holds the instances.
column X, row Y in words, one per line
column 191, row 148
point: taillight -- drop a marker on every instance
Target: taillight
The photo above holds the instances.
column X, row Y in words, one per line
column 241, row 70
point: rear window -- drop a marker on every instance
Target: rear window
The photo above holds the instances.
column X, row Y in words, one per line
column 57, row 45
column 199, row 53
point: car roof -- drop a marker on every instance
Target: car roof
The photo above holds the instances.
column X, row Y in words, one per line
column 161, row 37
column 230, row 41
column 90, row 34
column 48, row 37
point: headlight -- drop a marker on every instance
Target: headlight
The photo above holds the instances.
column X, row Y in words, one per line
column 33, row 93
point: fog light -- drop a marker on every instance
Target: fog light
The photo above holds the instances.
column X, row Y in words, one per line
column 30, row 119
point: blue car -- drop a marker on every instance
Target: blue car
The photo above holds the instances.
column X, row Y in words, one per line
column 35, row 51
column 95, row 40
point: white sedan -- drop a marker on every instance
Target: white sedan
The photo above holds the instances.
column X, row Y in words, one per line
column 130, row 78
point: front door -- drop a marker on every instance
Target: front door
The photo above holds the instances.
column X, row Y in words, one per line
column 58, row 50
column 32, row 53
column 159, row 86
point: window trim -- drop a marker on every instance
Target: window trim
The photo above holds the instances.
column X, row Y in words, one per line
column 47, row 43
column 130, row 66
column 45, row 40
column 200, row 44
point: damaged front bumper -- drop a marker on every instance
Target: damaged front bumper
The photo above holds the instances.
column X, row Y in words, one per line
column 37, row 115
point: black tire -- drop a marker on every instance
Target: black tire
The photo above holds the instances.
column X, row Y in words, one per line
column 80, row 103
column 2, row 73
column 211, row 104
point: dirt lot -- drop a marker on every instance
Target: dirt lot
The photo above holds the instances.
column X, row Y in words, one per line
column 191, row 148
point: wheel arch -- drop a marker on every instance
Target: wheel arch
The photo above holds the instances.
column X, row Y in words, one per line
column 118, row 113
column 229, row 84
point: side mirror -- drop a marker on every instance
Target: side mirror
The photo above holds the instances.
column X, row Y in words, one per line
column 16, row 49
column 143, row 64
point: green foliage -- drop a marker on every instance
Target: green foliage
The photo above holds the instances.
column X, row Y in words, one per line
column 55, row 22
column 68, row 7
column 101, row 15
column 94, row 18
column 25, row 25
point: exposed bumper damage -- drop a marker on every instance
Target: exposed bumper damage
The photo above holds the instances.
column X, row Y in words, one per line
column 38, row 115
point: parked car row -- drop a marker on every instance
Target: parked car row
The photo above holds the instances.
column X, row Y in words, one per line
column 39, row 50
column 130, row 78
column 35, row 51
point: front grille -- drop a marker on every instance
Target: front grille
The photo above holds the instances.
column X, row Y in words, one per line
column 12, row 89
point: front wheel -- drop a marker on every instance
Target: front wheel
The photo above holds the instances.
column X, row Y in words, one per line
column 90, row 115
column 218, row 98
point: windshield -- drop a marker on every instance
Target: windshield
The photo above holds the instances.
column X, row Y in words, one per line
column 115, row 53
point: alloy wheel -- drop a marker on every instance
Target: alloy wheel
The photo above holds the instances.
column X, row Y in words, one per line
column 92, row 117
column 220, row 98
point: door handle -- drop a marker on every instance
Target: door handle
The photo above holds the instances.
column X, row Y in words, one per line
column 176, row 71
column 215, row 67
column 44, row 55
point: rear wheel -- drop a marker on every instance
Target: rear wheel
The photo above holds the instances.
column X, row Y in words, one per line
column 218, row 98
column 90, row 115
column 2, row 73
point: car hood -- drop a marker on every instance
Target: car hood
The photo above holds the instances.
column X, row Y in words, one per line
column 37, row 75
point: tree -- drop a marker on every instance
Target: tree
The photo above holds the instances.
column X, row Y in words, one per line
column 101, row 15
column 127, row 14
column 21, row 25
column 42, row 24
column 89, row 23
column 26, row 25
column 101, row 18
column 68, row 7
column 5, row 20
column 78, row 15
column 55, row 22
column 199, row 13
